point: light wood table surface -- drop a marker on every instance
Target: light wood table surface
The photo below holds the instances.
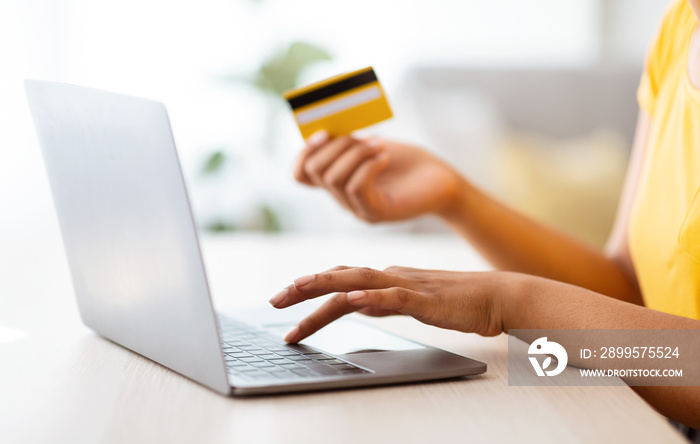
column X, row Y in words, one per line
column 61, row 383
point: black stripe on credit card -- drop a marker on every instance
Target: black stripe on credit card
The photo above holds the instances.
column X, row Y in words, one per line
column 324, row 92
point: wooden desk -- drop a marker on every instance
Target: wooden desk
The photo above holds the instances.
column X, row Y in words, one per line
column 61, row 383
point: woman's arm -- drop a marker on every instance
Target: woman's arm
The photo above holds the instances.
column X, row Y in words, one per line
column 545, row 304
column 488, row 304
column 511, row 241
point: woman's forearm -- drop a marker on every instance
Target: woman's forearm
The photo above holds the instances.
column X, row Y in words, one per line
column 514, row 242
column 538, row 304
column 543, row 303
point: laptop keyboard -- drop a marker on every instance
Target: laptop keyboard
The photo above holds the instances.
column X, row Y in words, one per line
column 254, row 354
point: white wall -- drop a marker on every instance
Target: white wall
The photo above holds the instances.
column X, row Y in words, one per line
column 625, row 26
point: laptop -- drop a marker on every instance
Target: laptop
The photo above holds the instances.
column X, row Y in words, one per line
column 137, row 271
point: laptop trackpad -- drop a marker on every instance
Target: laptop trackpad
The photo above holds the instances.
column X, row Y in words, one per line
column 347, row 336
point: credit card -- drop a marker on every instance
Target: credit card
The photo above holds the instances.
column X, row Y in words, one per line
column 339, row 105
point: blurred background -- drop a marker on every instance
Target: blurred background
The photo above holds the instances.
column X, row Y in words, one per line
column 533, row 100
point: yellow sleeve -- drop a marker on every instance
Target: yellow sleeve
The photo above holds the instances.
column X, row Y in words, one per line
column 646, row 92
column 657, row 58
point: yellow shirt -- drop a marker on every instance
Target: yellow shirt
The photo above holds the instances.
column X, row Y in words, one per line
column 664, row 230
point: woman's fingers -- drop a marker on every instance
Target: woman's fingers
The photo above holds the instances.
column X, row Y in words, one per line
column 316, row 141
column 318, row 162
column 399, row 299
column 337, row 174
column 378, row 312
column 334, row 308
column 344, row 166
column 382, row 302
column 314, row 285
column 357, row 188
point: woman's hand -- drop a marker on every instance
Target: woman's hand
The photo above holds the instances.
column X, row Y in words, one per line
column 378, row 180
column 468, row 302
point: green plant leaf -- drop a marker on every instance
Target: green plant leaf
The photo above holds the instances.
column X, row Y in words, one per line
column 281, row 72
column 271, row 222
column 221, row 226
column 214, row 163
column 302, row 54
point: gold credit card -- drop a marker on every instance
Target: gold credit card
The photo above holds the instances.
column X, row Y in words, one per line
column 339, row 105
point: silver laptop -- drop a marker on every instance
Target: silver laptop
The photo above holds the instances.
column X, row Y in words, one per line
column 137, row 270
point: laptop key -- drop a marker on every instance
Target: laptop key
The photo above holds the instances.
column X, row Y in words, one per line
column 283, row 351
column 323, row 369
column 261, row 364
column 264, row 343
column 239, row 354
column 278, row 361
column 305, row 372
column 286, row 352
column 257, row 351
column 302, row 349
column 236, row 364
column 322, row 357
column 251, row 359
column 245, row 369
column 292, row 366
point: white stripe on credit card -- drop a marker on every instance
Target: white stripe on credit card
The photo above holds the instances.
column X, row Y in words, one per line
column 338, row 105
